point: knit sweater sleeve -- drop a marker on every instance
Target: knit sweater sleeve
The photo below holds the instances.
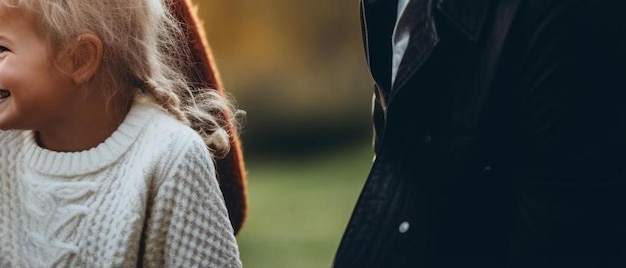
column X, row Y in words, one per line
column 188, row 224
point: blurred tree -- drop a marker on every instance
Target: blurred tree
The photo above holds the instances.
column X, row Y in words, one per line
column 296, row 67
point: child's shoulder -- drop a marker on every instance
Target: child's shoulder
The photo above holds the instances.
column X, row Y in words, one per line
column 169, row 145
column 168, row 133
column 166, row 128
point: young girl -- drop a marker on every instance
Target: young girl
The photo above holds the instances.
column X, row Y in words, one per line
column 98, row 164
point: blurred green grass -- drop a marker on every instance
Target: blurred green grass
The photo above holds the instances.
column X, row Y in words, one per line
column 299, row 207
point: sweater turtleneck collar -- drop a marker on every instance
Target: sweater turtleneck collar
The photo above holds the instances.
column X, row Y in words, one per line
column 69, row 164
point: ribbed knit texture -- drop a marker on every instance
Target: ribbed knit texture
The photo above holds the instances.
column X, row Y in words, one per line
column 147, row 196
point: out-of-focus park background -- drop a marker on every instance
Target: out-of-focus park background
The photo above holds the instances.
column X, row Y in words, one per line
column 298, row 69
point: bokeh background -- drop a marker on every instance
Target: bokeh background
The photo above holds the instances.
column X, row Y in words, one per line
column 298, row 70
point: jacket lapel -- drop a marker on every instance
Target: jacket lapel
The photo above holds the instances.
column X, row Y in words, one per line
column 417, row 20
column 378, row 17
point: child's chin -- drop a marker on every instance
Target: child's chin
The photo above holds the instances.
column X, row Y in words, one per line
column 4, row 126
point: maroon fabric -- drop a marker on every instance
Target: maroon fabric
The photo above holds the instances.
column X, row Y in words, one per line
column 203, row 71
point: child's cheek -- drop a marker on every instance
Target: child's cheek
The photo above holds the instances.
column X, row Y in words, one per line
column 8, row 75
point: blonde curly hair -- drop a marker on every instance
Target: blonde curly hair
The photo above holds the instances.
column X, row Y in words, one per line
column 143, row 57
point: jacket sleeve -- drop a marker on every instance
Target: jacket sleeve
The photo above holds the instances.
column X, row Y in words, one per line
column 189, row 225
column 571, row 194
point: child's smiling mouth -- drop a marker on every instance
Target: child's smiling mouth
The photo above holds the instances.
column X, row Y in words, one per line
column 4, row 94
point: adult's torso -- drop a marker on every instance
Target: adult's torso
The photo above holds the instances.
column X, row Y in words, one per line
column 434, row 196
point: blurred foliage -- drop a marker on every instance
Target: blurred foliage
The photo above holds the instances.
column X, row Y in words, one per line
column 300, row 208
column 296, row 67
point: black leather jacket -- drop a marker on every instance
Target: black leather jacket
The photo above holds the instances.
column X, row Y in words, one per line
column 503, row 140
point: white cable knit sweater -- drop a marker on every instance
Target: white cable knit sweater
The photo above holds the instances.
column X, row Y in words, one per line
column 147, row 196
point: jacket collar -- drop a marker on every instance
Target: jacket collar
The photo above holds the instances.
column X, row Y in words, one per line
column 467, row 16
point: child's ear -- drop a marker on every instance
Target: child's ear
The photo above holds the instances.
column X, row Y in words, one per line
column 86, row 56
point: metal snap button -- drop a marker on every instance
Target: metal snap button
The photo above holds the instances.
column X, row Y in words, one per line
column 404, row 227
